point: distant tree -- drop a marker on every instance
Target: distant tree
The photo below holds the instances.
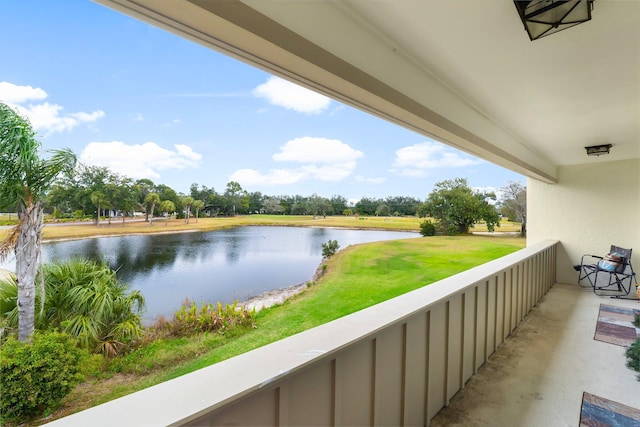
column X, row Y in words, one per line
column 98, row 198
column 167, row 193
column 367, row 206
column 338, row 204
column 61, row 197
column 187, row 201
column 216, row 203
column 383, row 210
column 202, row 193
column 272, row 205
column 255, row 202
column 152, row 200
column 319, row 206
column 457, row 207
column 404, row 206
column 24, row 180
column 166, row 207
column 124, row 198
column 514, row 204
column 142, row 188
column 197, row 206
column 234, row 193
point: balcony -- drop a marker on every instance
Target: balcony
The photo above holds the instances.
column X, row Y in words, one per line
column 453, row 344
column 538, row 375
column 496, row 344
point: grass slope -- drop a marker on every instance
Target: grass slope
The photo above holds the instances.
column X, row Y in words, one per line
column 356, row 277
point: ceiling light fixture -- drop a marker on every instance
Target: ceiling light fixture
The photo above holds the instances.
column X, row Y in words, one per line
column 545, row 17
column 598, row 150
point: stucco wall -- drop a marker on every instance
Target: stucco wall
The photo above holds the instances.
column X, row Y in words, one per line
column 592, row 207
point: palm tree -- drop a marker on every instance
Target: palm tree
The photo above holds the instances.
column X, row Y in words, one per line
column 86, row 300
column 98, row 198
column 24, row 179
column 167, row 206
column 187, row 201
column 153, row 199
column 198, row 205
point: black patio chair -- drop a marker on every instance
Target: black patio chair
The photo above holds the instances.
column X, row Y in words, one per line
column 609, row 275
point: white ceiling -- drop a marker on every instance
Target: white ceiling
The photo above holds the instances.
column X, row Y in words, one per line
column 461, row 71
column 558, row 94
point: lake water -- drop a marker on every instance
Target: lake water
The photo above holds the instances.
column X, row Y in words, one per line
column 222, row 265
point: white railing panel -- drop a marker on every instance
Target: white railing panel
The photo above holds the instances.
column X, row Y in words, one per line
column 482, row 321
column 470, row 334
column 396, row 363
column 354, row 396
column 415, row 390
column 437, row 362
column 455, row 340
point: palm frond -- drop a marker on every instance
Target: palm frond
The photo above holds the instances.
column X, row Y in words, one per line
column 9, row 243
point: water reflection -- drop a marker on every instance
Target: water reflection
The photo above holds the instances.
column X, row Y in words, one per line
column 222, row 265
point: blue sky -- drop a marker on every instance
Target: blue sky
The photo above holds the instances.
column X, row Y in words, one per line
column 148, row 104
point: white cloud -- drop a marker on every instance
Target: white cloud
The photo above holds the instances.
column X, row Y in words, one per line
column 316, row 150
column 291, row 96
column 247, row 177
column 139, row 160
column 14, row 94
column 320, row 158
column 418, row 159
column 186, row 152
column 44, row 117
column 376, row 180
column 137, row 117
column 333, row 172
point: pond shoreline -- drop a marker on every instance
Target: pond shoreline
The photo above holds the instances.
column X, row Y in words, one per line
column 281, row 295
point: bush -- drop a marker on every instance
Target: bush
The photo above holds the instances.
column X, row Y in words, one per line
column 633, row 356
column 191, row 319
column 36, row 376
column 330, row 248
column 86, row 300
column 427, row 228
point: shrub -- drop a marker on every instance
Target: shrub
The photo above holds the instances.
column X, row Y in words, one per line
column 36, row 376
column 633, row 356
column 208, row 317
column 427, row 228
column 330, row 248
column 86, row 300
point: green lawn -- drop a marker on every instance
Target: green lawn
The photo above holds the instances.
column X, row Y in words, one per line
column 357, row 277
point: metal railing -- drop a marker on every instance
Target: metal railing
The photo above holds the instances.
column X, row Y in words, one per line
column 396, row 363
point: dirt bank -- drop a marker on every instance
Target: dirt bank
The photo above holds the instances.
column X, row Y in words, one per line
column 278, row 296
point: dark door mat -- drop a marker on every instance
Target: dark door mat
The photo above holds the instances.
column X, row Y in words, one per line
column 600, row 412
column 615, row 325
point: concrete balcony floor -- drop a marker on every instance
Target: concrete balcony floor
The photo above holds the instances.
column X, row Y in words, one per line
column 538, row 375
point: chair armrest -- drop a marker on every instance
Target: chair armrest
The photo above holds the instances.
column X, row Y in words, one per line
column 590, row 256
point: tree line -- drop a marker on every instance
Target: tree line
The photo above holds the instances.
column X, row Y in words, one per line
column 97, row 191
